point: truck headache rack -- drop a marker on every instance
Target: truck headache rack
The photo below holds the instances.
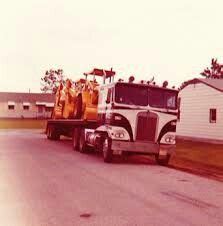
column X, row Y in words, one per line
column 102, row 73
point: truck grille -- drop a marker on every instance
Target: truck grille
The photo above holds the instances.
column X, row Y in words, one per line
column 146, row 126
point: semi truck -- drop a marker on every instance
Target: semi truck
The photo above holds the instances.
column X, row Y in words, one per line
column 117, row 118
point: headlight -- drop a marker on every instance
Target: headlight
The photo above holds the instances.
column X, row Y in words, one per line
column 119, row 135
column 170, row 139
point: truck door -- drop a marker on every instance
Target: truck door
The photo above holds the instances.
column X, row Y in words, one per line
column 105, row 99
column 108, row 102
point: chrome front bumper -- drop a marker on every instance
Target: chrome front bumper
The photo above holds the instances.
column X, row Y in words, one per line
column 141, row 147
column 168, row 148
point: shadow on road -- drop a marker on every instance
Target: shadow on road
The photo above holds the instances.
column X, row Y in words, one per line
column 182, row 164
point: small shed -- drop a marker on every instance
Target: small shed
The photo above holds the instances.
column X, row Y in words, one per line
column 201, row 110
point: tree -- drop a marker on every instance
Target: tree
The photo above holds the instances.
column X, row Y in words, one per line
column 216, row 70
column 51, row 80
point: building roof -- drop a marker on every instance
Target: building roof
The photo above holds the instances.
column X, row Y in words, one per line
column 213, row 83
column 27, row 97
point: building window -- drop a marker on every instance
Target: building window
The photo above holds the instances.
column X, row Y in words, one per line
column 213, row 115
column 11, row 107
column 25, row 107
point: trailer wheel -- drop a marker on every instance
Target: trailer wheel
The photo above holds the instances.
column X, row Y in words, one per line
column 76, row 139
column 163, row 161
column 52, row 133
column 82, row 142
column 106, row 150
column 55, row 134
column 78, row 107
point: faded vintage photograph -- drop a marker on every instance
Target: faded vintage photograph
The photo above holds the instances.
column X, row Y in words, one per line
column 111, row 113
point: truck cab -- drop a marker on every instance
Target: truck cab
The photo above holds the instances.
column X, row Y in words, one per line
column 138, row 118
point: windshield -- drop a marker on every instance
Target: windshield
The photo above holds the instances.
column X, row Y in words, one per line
column 160, row 98
column 131, row 94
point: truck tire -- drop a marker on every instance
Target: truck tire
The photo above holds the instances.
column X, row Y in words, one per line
column 78, row 108
column 48, row 133
column 162, row 161
column 52, row 133
column 76, row 139
column 106, row 150
column 82, row 141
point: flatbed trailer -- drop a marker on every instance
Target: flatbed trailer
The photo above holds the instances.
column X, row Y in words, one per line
column 57, row 127
column 72, row 123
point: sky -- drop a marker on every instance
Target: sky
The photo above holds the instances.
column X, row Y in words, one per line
column 172, row 40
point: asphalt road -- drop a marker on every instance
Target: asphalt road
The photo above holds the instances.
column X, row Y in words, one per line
column 45, row 183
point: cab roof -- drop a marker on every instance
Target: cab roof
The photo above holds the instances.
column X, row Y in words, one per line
column 139, row 84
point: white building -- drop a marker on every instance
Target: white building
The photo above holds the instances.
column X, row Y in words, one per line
column 201, row 110
column 26, row 105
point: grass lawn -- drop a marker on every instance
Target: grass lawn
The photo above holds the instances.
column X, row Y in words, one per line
column 200, row 158
column 211, row 154
column 22, row 124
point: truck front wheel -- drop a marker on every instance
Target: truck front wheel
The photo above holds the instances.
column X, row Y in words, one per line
column 106, row 150
column 163, row 161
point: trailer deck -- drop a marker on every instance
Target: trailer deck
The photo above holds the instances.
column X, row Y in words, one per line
column 73, row 123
